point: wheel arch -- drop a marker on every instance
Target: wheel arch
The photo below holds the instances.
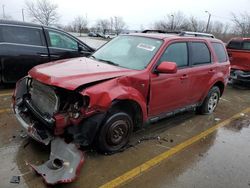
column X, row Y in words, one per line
column 220, row 85
column 131, row 107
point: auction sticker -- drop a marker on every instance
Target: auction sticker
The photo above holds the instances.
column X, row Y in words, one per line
column 146, row 47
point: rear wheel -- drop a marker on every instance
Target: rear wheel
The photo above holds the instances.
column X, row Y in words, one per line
column 210, row 102
column 115, row 132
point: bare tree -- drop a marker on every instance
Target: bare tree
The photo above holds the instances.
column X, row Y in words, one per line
column 172, row 22
column 241, row 24
column 196, row 25
column 103, row 25
column 80, row 24
column 119, row 24
column 42, row 11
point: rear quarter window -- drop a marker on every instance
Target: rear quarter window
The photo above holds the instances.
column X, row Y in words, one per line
column 220, row 51
column 236, row 45
column 200, row 53
column 246, row 45
column 21, row 35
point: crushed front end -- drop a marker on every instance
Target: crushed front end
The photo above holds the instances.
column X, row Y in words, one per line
column 46, row 111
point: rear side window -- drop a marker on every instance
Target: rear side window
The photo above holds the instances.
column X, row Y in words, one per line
column 21, row 35
column 220, row 52
column 177, row 53
column 234, row 45
column 200, row 53
column 246, row 45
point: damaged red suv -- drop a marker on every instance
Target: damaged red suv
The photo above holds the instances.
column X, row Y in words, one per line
column 131, row 80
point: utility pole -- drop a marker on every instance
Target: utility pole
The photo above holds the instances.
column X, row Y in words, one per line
column 23, row 14
column 208, row 21
column 3, row 12
column 172, row 23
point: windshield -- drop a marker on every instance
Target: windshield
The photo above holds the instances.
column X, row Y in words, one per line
column 131, row 52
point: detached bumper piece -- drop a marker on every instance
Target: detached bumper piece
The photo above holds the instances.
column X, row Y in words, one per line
column 240, row 76
column 63, row 165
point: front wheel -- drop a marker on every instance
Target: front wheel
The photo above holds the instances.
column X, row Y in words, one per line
column 115, row 132
column 210, row 102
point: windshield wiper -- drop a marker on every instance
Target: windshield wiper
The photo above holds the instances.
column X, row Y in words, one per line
column 108, row 61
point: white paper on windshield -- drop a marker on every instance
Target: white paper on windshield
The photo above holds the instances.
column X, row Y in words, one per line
column 146, row 47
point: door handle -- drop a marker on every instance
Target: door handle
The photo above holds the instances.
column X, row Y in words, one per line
column 211, row 71
column 54, row 56
column 43, row 55
column 184, row 77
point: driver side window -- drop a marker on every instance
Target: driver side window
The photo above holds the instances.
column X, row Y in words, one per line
column 176, row 52
column 59, row 40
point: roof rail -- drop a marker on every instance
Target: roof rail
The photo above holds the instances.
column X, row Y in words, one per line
column 180, row 33
column 196, row 34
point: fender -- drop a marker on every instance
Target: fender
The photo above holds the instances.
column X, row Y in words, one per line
column 102, row 95
column 216, row 78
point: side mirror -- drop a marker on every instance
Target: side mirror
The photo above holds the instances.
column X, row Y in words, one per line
column 81, row 48
column 83, row 51
column 167, row 67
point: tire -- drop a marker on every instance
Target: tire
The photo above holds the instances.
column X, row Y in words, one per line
column 115, row 132
column 210, row 103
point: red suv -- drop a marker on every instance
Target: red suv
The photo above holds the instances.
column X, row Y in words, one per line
column 239, row 52
column 132, row 79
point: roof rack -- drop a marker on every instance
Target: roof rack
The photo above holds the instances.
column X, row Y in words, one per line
column 196, row 34
column 180, row 33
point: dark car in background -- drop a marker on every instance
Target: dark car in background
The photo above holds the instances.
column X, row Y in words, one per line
column 25, row 45
column 239, row 52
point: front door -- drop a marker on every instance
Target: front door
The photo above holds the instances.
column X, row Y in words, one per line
column 169, row 92
column 62, row 46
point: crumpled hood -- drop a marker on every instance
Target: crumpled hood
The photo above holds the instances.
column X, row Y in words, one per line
column 72, row 73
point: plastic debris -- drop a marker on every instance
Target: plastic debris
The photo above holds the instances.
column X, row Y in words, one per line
column 63, row 165
column 15, row 179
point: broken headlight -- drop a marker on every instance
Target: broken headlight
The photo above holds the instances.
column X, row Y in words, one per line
column 75, row 108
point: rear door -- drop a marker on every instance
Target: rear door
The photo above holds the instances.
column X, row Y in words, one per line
column 21, row 48
column 202, row 71
column 62, row 45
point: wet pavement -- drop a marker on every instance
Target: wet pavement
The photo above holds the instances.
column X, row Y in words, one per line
column 218, row 160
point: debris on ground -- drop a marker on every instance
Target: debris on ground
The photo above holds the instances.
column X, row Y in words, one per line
column 63, row 165
column 158, row 138
column 26, row 144
column 139, row 141
column 23, row 135
column 15, row 179
column 217, row 119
